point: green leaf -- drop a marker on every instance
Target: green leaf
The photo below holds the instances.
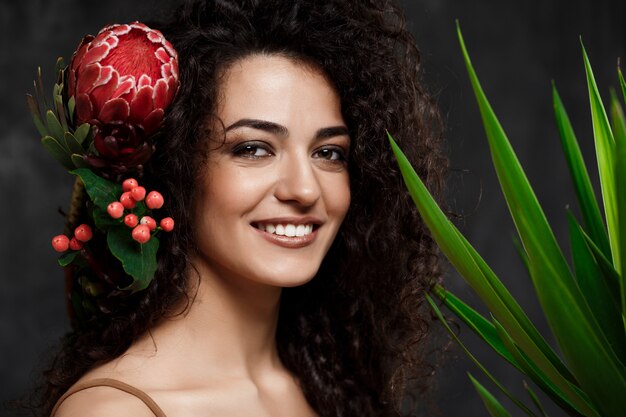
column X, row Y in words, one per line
column 138, row 260
column 582, row 184
column 480, row 277
column 39, row 88
column 596, row 290
column 475, row 321
column 59, row 65
column 535, row 399
column 33, row 107
column 605, row 145
column 101, row 191
column 60, row 108
column 54, row 127
column 439, row 315
column 564, row 306
column 82, row 132
column 622, row 83
column 541, row 379
column 103, row 221
column 71, row 104
column 72, row 144
column 57, row 151
column 608, row 272
column 79, row 161
column 67, row 258
column 619, row 127
column 492, row 405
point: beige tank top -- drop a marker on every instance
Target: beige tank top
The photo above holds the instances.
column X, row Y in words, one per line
column 107, row 382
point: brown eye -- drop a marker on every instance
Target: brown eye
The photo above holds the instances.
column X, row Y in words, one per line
column 252, row 150
column 331, row 154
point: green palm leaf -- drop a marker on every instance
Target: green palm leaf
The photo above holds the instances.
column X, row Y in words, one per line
column 494, row 408
column 565, row 308
column 582, row 184
column 605, row 144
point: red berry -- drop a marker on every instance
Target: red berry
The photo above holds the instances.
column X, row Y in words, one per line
column 129, row 184
column 60, row 243
column 127, row 200
column 138, row 193
column 148, row 221
column 131, row 220
column 115, row 209
column 76, row 244
column 83, row 233
column 141, row 233
column 167, row 224
column 154, row 200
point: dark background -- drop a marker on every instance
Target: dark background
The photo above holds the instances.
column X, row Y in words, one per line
column 517, row 48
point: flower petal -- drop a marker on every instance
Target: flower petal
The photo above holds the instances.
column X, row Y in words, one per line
column 97, row 53
column 102, row 94
column 86, row 78
column 175, row 68
column 127, row 83
column 141, row 106
column 155, row 37
column 166, row 70
column 121, row 29
column 144, row 80
column 84, row 108
column 106, row 73
column 152, row 123
column 170, row 49
column 81, row 50
column 113, row 41
column 172, row 87
column 115, row 110
column 162, row 55
column 160, row 94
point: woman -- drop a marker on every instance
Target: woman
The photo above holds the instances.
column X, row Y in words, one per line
column 278, row 130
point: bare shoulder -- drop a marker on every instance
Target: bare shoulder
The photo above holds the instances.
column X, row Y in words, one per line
column 103, row 401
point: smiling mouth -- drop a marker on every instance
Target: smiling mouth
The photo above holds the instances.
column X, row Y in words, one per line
column 287, row 229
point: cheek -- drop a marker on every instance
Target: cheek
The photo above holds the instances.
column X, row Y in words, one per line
column 232, row 191
column 338, row 196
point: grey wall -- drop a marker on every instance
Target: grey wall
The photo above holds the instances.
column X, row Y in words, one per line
column 517, row 48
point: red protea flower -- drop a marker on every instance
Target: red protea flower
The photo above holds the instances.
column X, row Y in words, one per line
column 123, row 80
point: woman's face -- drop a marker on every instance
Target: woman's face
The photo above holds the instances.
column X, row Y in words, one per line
column 275, row 193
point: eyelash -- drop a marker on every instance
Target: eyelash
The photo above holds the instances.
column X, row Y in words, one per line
column 249, row 150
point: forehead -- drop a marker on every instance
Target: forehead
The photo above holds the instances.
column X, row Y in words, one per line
column 275, row 87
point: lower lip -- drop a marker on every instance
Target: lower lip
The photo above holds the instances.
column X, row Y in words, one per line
column 286, row 241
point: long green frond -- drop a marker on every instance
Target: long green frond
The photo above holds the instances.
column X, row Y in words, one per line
column 482, row 279
column 578, row 171
column 492, row 405
column 619, row 127
column 480, row 366
column 594, row 285
column 605, row 143
column 563, row 304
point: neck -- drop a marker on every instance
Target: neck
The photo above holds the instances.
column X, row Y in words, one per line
column 229, row 328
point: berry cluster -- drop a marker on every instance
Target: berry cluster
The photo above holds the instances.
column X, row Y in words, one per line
column 133, row 194
column 82, row 234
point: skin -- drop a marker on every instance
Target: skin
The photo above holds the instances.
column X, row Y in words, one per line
column 220, row 357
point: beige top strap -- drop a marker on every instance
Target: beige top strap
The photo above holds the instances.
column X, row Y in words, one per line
column 114, row 384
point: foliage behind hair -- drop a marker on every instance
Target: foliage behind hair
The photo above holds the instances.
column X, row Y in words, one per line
column 355, row 335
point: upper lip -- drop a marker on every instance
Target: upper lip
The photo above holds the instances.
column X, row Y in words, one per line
column 290, row 220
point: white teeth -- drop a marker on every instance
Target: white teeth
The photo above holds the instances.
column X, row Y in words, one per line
column 289, row 230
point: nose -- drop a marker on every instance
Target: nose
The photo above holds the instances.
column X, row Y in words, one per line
column 298, row 182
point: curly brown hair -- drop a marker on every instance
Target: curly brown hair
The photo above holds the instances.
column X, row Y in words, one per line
column 354, row 335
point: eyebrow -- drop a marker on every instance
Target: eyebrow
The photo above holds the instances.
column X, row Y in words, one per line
column 282, row 131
